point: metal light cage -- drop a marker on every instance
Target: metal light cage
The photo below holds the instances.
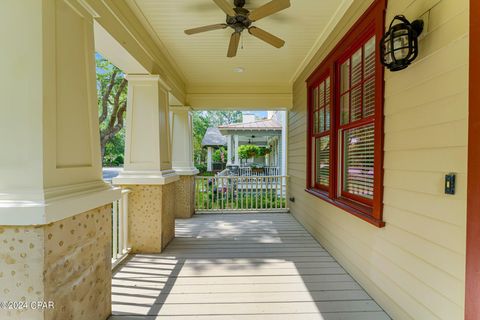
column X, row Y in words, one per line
column 399, row 46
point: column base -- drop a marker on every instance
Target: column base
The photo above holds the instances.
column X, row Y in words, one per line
column 189, row 171
column 66, row 264
column 145, row 177
column 45, row 206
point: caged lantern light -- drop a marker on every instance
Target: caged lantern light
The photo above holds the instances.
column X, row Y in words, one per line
column 399, row 46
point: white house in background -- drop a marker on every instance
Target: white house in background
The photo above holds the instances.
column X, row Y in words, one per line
column 269, row 132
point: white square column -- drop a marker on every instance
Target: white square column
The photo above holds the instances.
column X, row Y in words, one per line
column 209, row 159
column 229, row 150
column 148, row 158
column 237, row 158
column 182, row 145
column 50, row 166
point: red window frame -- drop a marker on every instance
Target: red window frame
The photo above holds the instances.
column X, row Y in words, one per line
column 370, row 24
column 320, row 134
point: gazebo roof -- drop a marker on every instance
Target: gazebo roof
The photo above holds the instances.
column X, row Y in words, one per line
column 213, row 138
column 269, row 124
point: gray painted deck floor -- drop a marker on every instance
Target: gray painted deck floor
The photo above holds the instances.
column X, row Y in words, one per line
column 239, row 266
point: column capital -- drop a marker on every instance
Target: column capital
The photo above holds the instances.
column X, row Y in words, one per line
column 180, row 108
column 149, row 77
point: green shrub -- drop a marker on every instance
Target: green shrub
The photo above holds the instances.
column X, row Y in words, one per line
column 201, row 167
column 263, row 151
column 248, row 151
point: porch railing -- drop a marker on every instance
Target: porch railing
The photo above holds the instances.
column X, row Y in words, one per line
column 241, row 194
column 266, row 171
column 120, row 245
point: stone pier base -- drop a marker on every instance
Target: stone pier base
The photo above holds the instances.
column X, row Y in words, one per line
column 58, row 271
column 185, row 197
column 151, row 217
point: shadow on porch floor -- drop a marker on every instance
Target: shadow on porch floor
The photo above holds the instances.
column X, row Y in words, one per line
column 239, row 266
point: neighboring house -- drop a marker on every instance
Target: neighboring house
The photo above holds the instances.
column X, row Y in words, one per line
column 268, row 133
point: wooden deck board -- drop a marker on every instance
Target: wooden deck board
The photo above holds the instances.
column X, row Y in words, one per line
column 239, row 266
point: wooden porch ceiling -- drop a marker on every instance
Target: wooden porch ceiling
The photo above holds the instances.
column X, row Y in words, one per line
column 240, row 266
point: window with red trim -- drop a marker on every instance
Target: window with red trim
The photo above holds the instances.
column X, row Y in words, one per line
column 321, row 134
column 345, row 121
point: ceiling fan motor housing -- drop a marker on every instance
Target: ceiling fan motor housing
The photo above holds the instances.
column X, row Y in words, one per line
column 239, row 3
column 240, row 21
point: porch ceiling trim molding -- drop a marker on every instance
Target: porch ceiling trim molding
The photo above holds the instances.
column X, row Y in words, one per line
column 323, row 37
column 240, row 101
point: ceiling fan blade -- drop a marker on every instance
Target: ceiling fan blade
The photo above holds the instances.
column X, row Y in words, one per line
column 268, row 9
column 206, row 28
column 233, row 46
column 226, row 7
column 267, row 37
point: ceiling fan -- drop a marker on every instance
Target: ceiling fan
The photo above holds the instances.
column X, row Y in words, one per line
column 239, row 19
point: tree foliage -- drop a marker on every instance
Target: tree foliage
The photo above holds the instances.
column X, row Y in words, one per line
column 220, row 155
column 112, row 105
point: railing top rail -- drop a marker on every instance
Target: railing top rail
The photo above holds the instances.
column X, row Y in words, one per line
column 238, row 177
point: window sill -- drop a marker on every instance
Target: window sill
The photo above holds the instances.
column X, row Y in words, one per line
column 359, row 210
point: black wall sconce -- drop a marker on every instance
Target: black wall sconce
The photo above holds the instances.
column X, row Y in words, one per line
column 399, row 46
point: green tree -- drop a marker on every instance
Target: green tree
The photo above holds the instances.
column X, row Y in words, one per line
column 112, row 105
column 220, row 155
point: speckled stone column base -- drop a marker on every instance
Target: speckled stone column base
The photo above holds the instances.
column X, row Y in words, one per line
column 185, row 197
column 151, row 218
column 67, row 262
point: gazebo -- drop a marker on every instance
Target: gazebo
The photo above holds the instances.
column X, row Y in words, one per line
column 212, row 139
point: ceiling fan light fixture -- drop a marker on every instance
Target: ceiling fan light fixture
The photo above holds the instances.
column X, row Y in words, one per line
column 238, row 70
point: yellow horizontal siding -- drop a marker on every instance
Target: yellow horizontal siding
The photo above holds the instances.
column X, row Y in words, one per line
column 414, row 267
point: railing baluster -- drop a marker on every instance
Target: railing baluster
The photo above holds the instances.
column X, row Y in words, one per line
column 232, row 192
column 262, row 192
column 281, row 192
column 126, row 243
column 236, row 197
column 271, row 192
column 276, row 193
column 256, row 193
column 114, row 229
column 121, row 204
column 228, row 193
